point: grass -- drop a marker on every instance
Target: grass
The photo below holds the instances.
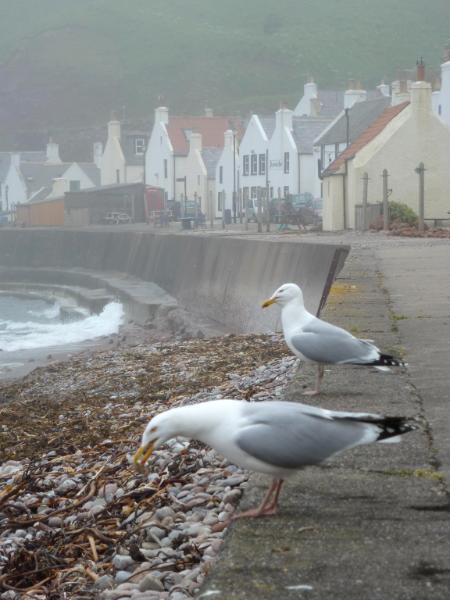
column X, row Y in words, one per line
column 77, row 59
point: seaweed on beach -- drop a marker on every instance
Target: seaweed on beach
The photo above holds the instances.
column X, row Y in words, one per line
column 66, row 435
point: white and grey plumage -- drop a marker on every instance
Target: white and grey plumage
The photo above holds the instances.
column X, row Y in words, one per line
column 314, row 340
column 275, row 438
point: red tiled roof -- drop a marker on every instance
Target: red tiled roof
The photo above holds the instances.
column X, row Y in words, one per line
column 211, row 128
column 366, row 136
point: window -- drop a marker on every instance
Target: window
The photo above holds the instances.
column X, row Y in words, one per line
column 74, row 185
column 219, row 200
column 165, row 168
column 139, row 146
column 271, row 192
column 220, row 174
column 245, row 195
column 286, row 162
column 262, row 164
column 117, row 175
column 286, row 191
column 245, row 165
column 254, row 164
column 254, row 192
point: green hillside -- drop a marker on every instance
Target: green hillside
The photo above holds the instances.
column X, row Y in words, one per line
column 71, row 61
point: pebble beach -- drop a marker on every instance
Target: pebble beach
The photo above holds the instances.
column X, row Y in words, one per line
column 77, row 519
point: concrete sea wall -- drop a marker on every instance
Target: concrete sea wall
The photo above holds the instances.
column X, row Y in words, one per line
column 223, row 278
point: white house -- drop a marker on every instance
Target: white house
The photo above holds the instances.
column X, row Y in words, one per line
column 122, row 159
column 345, row 128
column 5, row 163
column 28, row 181
column 277, row 153
column 398, row 140
column 182, row 154
column 227, row 175
column 441, row 98
column 253, row 151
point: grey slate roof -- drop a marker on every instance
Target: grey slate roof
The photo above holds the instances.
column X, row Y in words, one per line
column 211, row 155
column 331, row 102
column 92, row 171
column 268, row 124
column 26, row 156
column 305, row 130
column 39, row 175
column 127, row 141
column 361, row 115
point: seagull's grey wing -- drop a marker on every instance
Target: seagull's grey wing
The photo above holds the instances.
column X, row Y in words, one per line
column 290, row 439
column 325, row 343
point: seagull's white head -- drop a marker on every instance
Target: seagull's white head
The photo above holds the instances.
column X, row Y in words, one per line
column 284, row 294
column 161, row 428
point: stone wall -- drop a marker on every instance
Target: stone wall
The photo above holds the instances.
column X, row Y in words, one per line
column 223, row 278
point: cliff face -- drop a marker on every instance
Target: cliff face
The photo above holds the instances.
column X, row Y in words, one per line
column 222, row 278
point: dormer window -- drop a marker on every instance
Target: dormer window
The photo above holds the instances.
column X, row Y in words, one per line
column 139, row 146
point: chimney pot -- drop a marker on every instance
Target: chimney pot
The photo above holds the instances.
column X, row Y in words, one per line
column 420, row 70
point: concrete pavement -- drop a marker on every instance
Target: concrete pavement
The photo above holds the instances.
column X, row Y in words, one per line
column 375, row 523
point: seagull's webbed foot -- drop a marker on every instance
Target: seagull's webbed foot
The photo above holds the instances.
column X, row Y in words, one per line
column 268, row 506
column 311, row 393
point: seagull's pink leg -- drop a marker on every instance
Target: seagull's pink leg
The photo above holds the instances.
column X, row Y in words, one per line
column 320, row 372
column 268, row 505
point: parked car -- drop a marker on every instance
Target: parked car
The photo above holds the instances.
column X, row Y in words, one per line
column 116, row 218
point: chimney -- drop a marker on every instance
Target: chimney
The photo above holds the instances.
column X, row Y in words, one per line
column 114, row 126
column 421, row 97
column 162, row 115
column 53, row 153
column 59, row 187
column 195, row 142
column 228, row 139
column 209, row 112
column 384, row 90
column 315, row 107
column 97, row 153
column 305, row 106
column 420, row 76
column 283, row 118
column 447, row 52
column 400, row 91
column 354, row 94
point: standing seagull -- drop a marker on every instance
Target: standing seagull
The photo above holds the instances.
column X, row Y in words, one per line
column 317, row 341
column 276, row 438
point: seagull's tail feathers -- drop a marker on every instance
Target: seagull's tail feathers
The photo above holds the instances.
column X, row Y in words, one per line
column 386, row 360
column 386, row 429
column 391, row 428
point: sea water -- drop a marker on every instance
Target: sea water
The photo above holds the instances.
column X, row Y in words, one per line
column 33, row 322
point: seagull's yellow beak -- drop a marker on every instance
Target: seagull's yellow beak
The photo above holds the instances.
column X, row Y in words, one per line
column 268, row 302
column 145, row 452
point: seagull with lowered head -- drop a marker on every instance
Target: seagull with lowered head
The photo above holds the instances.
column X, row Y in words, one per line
column 272, row 437
column 317, row 341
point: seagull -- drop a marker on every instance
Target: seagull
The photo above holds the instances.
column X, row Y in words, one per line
column 276, row 438
column 317, row 341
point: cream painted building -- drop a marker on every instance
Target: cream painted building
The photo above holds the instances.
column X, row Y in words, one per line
column 403, row 136
column 122, row 159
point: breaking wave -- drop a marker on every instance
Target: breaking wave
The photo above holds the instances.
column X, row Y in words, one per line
column 37, row 323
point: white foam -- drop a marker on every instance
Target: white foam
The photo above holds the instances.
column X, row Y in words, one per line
column 29, row 335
